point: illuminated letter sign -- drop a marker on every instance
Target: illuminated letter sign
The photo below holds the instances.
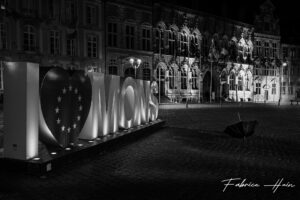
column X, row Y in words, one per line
column 65, row 100
column 83, row 106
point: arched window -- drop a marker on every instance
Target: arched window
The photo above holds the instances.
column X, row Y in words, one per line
column 183, row 79
column 194, row 79
column 184, row 44
column 171, row 78
column 171, row 41
column 162, row 73
column 194, row 45
column 240, row 83
column 129, row 72
column 204, row 46
column 112, row 68
column 247, row 80
column 159, row 41
column 232, row 81
column 29, row 38
column 223, row 76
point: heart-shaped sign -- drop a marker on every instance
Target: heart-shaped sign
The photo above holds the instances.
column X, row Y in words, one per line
column 65, row 98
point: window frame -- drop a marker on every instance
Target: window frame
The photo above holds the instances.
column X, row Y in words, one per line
column 112, row 34
column 54, row 42
column 257, row 88
column 232, row 85
column 29, row 35
column 146, row 39
column 92, row 46
column 91, row 14
column 129, row 36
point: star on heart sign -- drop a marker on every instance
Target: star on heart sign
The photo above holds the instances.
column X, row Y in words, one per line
column 65, row 99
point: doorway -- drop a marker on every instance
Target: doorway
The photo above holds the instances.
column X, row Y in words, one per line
column 266, row 95
column 206, row 86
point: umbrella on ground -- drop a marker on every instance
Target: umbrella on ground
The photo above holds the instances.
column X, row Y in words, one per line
column 241, row 129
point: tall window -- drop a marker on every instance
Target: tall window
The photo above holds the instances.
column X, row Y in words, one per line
column 29, row 7
column 285, row 52
column 146, row 39
column 171, row 42
column 3, row 36
column 91, row 14
column 184, row 44
column 171, row 78
column 159, row 41
column 273, row 88
column 92, row 46
column 293, row 52
column 274, row 50
column 194, row 45
column 1, row 75
column 285, row 70
column 70, row 11
column 272, row 71
column 162, row 74
column 194, row 79
column 290, row 89
column 71, row 47
column 29, row 43
column 129, row 36
column 264, row 70
column 258, row 48
column 257, row 70
column 240, row 83
column 232, row 82
column 183, row 79
column 51, row 9
column 204, row 47
column 146, row 71
column 54, row 42
column 266, row 49
column 258, row 88
column 112, row 68
column 247, row 83
column 283, row 87
column 146, row 74
column 112, row 34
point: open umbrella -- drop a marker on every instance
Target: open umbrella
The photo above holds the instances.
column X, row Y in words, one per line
column 241, row 129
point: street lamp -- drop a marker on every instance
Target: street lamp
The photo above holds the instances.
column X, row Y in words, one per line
column 3, row 7
column 283, row 64
column 135, row 63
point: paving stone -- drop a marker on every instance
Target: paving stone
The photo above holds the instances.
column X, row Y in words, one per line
column 186, row 160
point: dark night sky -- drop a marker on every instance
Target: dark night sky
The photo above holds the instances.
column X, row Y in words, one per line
column 242, row 10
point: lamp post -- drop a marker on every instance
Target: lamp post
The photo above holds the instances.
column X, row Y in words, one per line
column 135, row 63
column 210, row 85
column 282, row 64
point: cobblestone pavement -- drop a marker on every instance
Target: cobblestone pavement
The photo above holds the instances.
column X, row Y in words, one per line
column 186, row 160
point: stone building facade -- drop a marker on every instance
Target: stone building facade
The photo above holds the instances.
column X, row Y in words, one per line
column 187, row 54
column 129, row 38
column 201, row 57
column 65, row 33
